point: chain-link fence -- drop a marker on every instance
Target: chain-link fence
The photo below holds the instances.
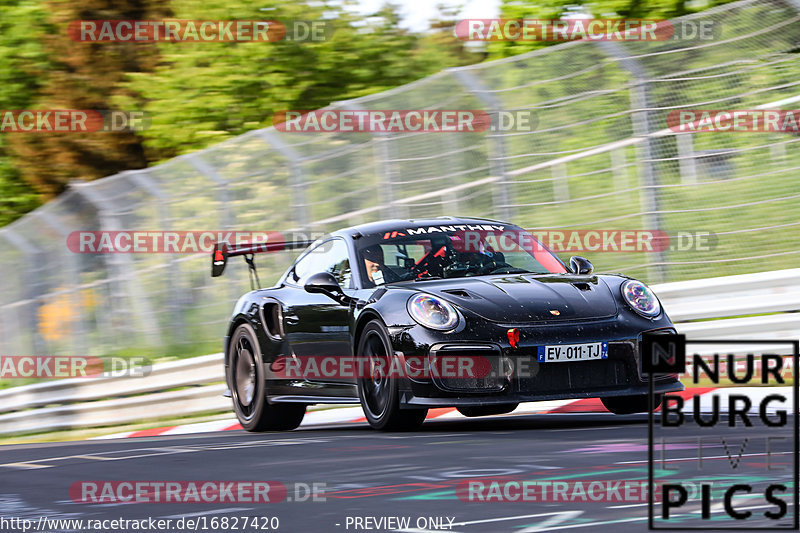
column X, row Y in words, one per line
column 601, row 156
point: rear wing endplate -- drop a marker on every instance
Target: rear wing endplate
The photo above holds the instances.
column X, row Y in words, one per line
column 222, row 251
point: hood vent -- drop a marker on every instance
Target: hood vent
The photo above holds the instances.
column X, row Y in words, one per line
column 461, row 293
column 582, row 285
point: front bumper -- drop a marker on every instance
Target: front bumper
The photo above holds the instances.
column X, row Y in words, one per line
column 516, row 374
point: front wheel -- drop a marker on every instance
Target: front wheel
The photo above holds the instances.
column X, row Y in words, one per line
column 378, row 391
column 626, row 405
column 246, row 383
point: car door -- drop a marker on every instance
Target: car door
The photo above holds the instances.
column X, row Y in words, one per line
column 316, row 325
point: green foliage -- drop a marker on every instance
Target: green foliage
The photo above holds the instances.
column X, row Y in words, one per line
column 555, row 9
column 49, row 71
column 206, row 92
column 16, row 198
column 195, row 94
column 22, row 60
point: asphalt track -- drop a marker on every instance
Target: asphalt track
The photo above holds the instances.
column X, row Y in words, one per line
column 371, row 474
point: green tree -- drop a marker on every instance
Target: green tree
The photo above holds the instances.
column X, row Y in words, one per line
column 75, row 75
column 22, row 61
column 195, row 94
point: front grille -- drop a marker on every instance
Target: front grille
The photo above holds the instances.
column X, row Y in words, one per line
column 618, row 370
column 491, row 379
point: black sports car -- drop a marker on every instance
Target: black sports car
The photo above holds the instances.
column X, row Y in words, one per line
column 404, row 315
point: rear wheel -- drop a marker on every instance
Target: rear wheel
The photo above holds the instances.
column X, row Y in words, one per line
column 246, row 383
column 626, row 405
column 378, row 391
column 486, row 410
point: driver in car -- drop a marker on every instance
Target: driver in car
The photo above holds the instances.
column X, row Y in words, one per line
column 377, row 271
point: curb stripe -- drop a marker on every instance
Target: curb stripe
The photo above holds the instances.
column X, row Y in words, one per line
column 584, row 405
column 151, row 432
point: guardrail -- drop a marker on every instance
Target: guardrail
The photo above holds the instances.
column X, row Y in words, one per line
column 764, row 305
column 96, row 402
column 710, row 308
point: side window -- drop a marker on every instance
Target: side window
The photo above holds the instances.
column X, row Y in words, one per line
column 304, row 266
column 341, row 269
column 330, row 256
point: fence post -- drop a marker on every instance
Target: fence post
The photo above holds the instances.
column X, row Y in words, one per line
column 560, row 183
column 296, row 180
column 453, row 203
column 32, row 288
column 8, row 320
column 228, row 220
column 686, row 163
column 79, row 343
column 381, row 154
column 176, row 304
column 642, row 129
column 619, row 169
column 497, row 164
column 120, row 265
column 224, row 199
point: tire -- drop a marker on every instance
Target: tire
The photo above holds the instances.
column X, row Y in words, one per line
column 248, row 392
column 487, row 410
column 626, row 405
column 379, row 394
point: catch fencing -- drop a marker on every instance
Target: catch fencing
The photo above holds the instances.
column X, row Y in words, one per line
column 601, row 156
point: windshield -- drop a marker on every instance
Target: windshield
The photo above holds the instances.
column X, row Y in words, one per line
column 435, row 252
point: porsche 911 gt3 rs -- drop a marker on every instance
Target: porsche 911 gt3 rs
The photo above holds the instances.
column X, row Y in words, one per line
column 400, row 316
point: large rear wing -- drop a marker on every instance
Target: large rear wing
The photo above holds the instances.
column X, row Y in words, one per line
column 222, row 251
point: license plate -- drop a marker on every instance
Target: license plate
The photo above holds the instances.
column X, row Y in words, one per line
column 563, row 353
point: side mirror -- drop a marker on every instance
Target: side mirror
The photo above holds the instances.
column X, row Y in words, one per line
column 325, row 283
column 580, row 265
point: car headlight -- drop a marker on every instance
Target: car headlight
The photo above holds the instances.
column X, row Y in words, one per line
column 641, row 298
column 432, row 312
